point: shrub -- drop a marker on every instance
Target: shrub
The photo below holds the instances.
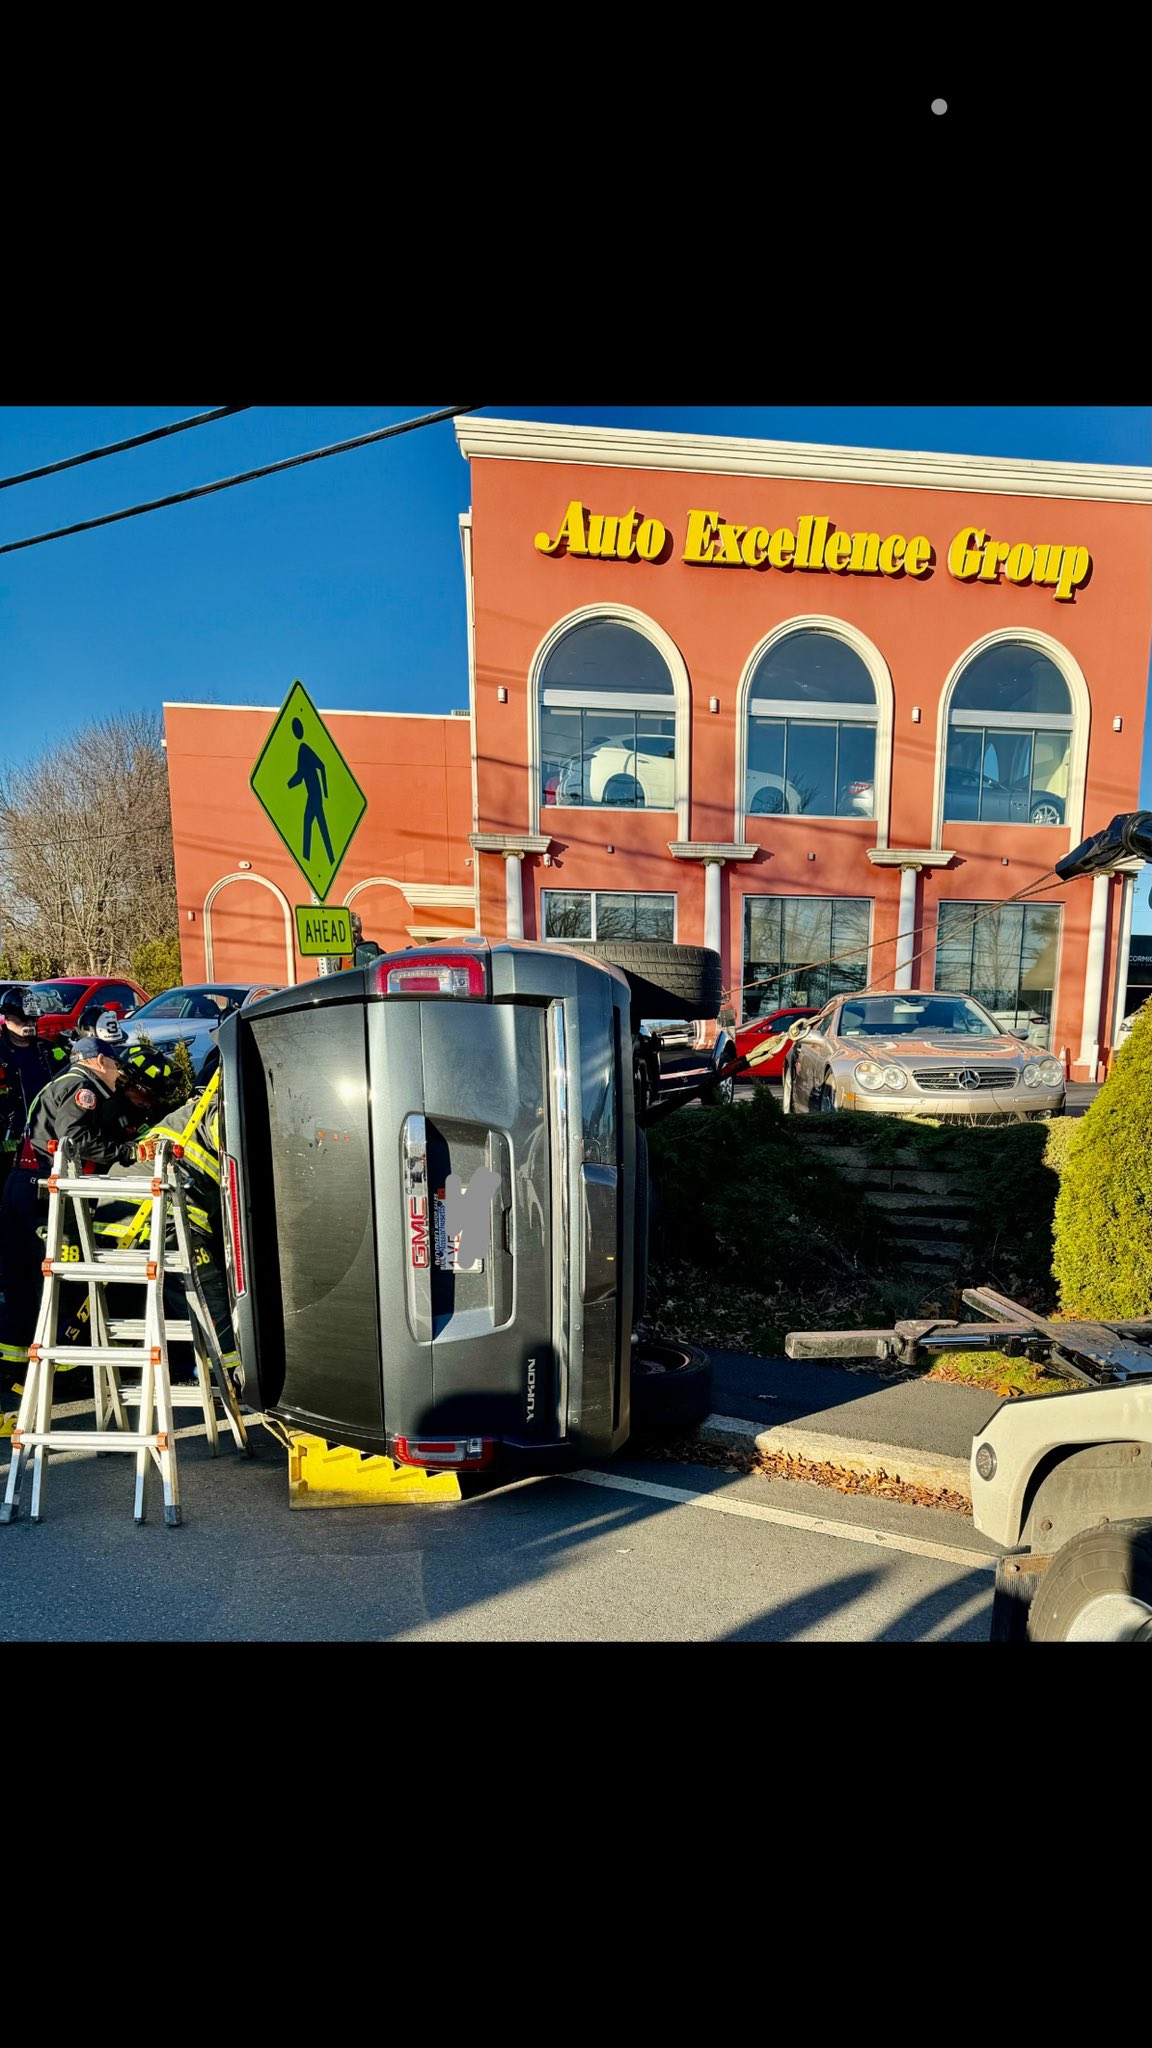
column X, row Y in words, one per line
column 735, row 1190
column 156, row 964
column 1103, row 1247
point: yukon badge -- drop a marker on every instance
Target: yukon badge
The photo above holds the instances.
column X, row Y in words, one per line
column 531, row 1409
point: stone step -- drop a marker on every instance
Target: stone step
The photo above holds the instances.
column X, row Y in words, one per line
column 927, row 1229
column 934, row 1252
column 913, row 1202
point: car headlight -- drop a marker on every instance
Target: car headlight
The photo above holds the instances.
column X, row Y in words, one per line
column 872, row 1076
column 1051, row 1073
column 1031, row 1077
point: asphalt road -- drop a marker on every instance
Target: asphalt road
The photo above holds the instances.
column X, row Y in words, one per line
column 630, row 1551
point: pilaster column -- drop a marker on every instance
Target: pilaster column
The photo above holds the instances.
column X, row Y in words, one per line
column 906, row 926
column 514, row 893
column 712, row 872
column 1094, row 975
column 1123, row 948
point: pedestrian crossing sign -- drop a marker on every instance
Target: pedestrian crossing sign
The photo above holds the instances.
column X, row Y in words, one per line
column 308, row 791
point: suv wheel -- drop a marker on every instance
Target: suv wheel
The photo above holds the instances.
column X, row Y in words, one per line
column 666, row 980
column 671, row 1389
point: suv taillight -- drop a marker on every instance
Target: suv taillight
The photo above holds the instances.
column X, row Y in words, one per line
column 462, row 1453
column 431, row 974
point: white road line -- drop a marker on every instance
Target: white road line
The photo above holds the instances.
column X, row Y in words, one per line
column 845, row 1532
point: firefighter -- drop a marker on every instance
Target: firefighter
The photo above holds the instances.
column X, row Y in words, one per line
column 193, row 1125
column 27, row 1061
column 81, row 1104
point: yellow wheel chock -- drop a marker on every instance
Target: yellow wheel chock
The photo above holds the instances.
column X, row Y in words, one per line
column 324, row 1475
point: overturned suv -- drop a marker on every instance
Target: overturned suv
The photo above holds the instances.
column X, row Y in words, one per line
column 436, row 1195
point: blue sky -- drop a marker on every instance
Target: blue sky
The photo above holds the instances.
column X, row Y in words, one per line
column 347, row 572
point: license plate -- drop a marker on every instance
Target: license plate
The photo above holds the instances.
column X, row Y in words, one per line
column 445, row 1248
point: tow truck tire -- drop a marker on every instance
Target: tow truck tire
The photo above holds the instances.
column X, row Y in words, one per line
column 671, row 1389
column 1097, row 1589
column 666, row 980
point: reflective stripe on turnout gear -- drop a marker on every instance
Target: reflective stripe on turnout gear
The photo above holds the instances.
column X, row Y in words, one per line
column 13, row 1354
column 194, row 1153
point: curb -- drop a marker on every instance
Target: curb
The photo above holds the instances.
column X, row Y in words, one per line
column 930, row 1469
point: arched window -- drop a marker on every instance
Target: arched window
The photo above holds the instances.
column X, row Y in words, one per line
column 607, row 721
column 811, row 732
column 1009, row 739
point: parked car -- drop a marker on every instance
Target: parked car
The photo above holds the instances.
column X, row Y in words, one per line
column 759, row 1028
column 78, row 1000
column 192, row 1016
column 1122, row 1035
column 918, row 1052
column 1001, row 803
column 611, row 775
column 435, row 1189
column 677, row 1052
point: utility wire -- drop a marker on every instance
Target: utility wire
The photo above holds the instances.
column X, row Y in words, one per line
column 202, row 419
column 428, row 419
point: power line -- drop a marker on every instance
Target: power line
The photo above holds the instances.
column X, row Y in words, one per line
column 202, row 419
column 428, row 419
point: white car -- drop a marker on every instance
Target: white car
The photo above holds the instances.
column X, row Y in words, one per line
column 1125, row 1030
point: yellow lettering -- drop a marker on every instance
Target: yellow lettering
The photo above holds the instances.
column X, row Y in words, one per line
column 650, row 540
column 963, row 556
column 625, row 544
column 995, row 552
column 892, row 554
column 838, row 552
column 603, row 535
column 571, row 532
column 1074, row 568
column 752, row 546
column 781, row 548
column 730, row 545
column 701, row 536
column 865, row 553
column 1047, row 567
column 811, row 535
column 1018, row 566
column 918, row 556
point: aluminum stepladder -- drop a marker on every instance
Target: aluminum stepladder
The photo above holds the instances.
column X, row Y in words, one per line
column 119, row 1344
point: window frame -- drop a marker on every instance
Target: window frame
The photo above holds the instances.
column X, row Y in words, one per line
column 1079, row 718
column 973, row 904
column 538, row 813
column 668, row 895
column 884, row 699
column 769, row 896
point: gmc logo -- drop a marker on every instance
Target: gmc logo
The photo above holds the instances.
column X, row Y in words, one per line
column 418, row 1229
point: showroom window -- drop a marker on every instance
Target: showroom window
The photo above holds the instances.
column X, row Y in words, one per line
column 1007, row 960
column 811, row 734
column 791, row 949
column 1009, row 740
column 607, row 914
column 607, row 721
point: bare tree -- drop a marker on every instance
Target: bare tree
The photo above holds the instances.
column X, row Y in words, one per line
column 86, row 865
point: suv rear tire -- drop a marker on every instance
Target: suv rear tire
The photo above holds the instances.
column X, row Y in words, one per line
column 666, row 980
column 671, row 1389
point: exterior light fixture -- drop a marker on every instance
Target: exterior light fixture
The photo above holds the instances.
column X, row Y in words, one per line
column 502, row 695
column 243, row 863
column 1117, row 725
column 713, row 703
column 609, row 849
column 811, row 856
column 915, row 714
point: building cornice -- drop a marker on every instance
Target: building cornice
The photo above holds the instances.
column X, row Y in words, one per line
column 509, row 842
column 710, row 849
column 910, row 856
column 718, row 455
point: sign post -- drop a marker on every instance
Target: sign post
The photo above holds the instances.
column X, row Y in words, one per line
column 310, row 795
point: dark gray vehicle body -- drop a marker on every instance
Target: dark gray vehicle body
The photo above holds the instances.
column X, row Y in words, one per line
column 344, row 1112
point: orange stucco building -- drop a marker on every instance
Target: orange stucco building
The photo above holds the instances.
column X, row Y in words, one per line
column 794, row 702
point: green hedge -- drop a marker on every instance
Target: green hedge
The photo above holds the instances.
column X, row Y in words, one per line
column 1103, row 1245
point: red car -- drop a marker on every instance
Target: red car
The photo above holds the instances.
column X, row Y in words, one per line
column 80, row 999
column 760, row 1028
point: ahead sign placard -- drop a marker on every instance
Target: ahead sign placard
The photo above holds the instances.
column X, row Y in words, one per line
column 323, row 931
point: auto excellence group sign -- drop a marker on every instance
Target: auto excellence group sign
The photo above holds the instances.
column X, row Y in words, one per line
column 817, row 544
